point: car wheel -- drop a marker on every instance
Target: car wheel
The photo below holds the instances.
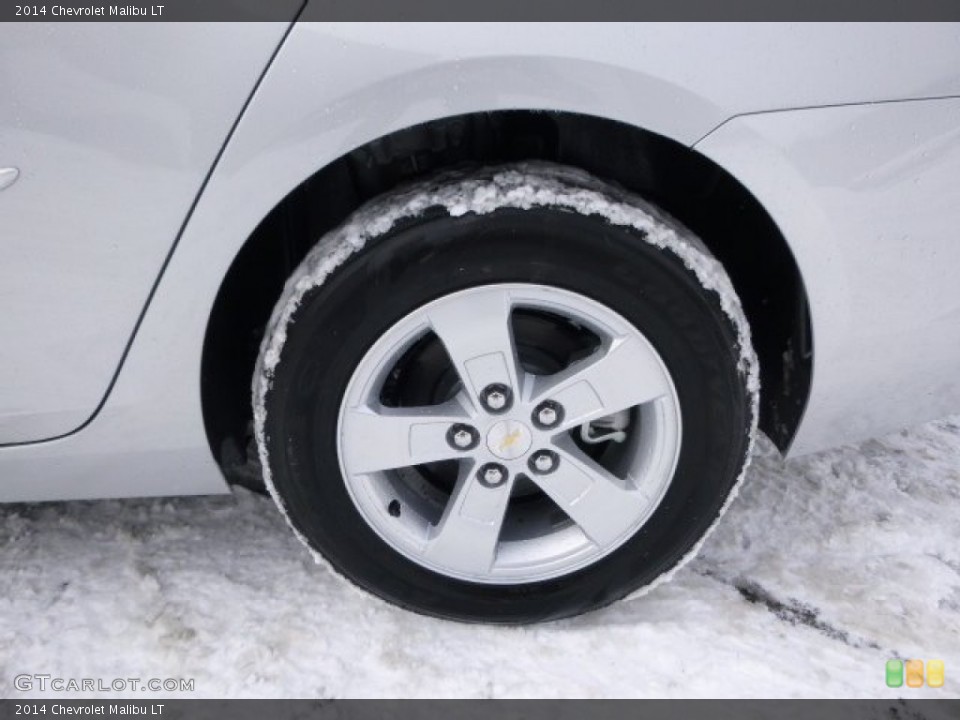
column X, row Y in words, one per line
column 508, row 395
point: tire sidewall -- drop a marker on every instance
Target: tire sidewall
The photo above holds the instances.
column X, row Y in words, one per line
column 422, row 259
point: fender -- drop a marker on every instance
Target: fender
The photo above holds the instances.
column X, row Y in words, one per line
column 864, row 195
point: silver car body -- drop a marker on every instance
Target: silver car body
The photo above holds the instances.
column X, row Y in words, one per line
column 148, row 154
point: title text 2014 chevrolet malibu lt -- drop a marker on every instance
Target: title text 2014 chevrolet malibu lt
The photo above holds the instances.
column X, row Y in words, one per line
column 494, row 312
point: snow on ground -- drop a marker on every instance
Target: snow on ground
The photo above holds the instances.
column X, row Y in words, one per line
column 824, row 567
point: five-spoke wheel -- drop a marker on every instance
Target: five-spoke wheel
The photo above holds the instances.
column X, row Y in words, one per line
column 507, row 396
column 530, row 489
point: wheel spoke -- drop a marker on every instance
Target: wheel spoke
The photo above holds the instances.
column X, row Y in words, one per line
column 602, row 505
column 621, row 375
column 466, row 536
column 476, row 332
column 388, row 438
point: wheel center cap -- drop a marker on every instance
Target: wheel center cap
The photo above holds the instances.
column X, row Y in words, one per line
column 509, row 439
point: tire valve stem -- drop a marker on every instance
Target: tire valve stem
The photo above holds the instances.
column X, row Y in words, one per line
column 394, row 508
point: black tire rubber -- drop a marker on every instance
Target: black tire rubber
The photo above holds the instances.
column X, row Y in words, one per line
column 435, row 254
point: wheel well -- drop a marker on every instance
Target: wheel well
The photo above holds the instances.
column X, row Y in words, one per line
column 689, row 186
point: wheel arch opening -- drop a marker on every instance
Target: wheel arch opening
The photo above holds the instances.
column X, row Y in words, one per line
column 694, row 189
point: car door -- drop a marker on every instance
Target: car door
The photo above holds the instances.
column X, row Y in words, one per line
column 109, row 131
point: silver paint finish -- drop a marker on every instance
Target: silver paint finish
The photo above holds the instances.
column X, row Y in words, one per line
column 869, row 200
column 115, row 127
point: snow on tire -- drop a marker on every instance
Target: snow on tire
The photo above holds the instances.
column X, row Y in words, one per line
column 507, row 395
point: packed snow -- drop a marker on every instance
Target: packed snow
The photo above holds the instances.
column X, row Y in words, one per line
column 824, row 567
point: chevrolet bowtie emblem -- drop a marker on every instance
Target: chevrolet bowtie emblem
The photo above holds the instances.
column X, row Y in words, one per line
column 510, row 439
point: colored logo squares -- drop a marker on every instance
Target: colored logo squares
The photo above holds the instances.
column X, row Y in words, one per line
column 912, row 671
column 935, row 673
column 894, row 673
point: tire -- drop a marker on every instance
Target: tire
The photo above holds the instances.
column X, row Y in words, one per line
column 387, row 347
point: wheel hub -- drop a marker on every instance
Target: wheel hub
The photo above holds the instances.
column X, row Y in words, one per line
column 509, row 439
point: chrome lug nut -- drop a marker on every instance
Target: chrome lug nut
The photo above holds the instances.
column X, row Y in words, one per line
column 492, row 475
column 547, row 414
column 462, row 437
column 543, row 462
column 496, row 398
